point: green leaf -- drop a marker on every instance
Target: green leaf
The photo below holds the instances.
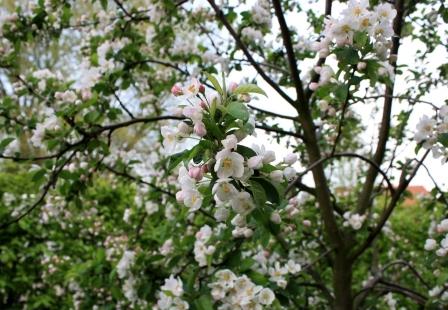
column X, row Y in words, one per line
column 258, row 278
column 261, row 216
column 271, row 192
column 215, row 83
column 248, row 89
column 176, row 159
column 360, row 39
column 39, row 175
column 347, row 55
column 104, row 4
column 418, row 147
column 5, row 143
column 443, row 139
column 246, row 264
column 340, row 92
column 258, row 192
column 245, row 151
column 92, row 116
column 238, row 110
column 204, row 303
column 213, row 129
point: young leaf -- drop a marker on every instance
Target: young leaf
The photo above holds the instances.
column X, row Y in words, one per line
column 443, row 139
column 347, row 55
column 238, row 110
column 204, row 303
column 269, row 190
column 248, row 89
column 5, row 143
column 215, row 84
column 245, row 151
column 259, row 193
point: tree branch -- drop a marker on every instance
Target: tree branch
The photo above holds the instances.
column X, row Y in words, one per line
column 295, row 74
column 220, row 15
column 404, row 183
column 364, row 200
column 292, row 118
column 279, row 131
column 51, row 182
column 338, row 155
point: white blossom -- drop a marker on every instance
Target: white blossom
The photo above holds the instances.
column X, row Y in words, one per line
column 229, row 164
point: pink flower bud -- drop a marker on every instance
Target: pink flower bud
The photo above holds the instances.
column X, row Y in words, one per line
column 290, row 159
column 323, row 53
column 232, row 86
column 176, row 90
column 245, row 98
column 184, row 128
column 58, row 95
column 361, row 66
column 306, row 223
column 195, row 173
column 180, row 196
column 313, row 86
column 202, row 89
column 199, row 129
column 255, row 162
column 86, row 94
column 204, row 169
column 203, row 105
column 275, row 218
column 248, row 233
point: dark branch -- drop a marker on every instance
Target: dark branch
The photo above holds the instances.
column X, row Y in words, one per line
column 220, row 15
column 286, row 35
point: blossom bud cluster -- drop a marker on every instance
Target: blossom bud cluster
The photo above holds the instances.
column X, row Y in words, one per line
column 239, row 292
column 357, row 17
column 275, row 267
column 433, row 133
column 124, row 272
column 229, row 168
column 201, row 249
column 441, row 248
column 354, row 220
column 170, row 296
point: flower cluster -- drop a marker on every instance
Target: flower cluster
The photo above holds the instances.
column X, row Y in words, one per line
column 219, row 162
column 432, row 133
column 276, row 268
column 124, row 272
column 239, row 292
column 189, row 194
column 170, row 295
column 201, row 250
column 431, row 244
column 354, row 220
column 357, row 17
column 51, row 123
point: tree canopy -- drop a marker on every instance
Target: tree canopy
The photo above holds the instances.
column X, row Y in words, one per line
column 129, row 179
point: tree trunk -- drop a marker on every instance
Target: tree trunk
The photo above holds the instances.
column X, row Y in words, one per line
column 342, row 281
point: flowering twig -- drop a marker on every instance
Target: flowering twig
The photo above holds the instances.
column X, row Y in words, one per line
column 51, row 182
column 404, row 183
column 383, row 136
column 220, row 15
column 295, row 73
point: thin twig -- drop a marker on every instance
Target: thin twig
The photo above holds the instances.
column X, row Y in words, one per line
column 220, row 15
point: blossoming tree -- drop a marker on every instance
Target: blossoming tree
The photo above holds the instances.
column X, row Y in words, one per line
column 129, row 181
